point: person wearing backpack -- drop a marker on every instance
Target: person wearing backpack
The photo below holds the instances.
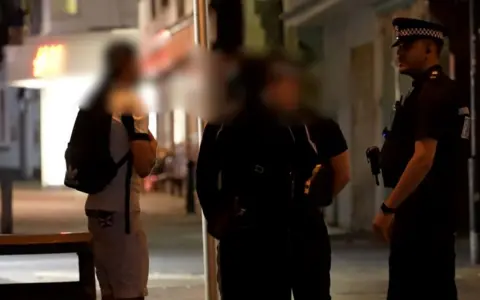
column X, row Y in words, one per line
column 110, row 150
column 251, row 175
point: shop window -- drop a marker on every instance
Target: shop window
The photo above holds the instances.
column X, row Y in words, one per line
column 4, row 124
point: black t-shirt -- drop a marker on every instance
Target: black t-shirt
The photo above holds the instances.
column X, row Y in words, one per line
column 328, row 137
column 318, row 145
column 324, row 136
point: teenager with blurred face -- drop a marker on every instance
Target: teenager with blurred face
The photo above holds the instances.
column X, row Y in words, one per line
column 119, row 242
column 251, row 175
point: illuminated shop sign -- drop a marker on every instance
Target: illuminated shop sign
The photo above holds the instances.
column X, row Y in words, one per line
column 49, row 61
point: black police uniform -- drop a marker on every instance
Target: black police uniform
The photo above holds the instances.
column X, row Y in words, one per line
column 278, row 242
column 422, row 250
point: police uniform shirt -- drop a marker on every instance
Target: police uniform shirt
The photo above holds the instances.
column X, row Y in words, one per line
column 432, row 109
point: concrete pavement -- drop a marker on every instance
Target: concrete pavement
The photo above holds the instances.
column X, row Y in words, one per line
column 359, row 270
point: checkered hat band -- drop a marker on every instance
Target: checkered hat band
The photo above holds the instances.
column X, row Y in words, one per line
column 420, row 32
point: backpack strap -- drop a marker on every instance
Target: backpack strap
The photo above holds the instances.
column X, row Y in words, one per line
column 128, row 158
column 123, row 160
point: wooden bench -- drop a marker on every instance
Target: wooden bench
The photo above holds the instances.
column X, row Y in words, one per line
column 79, row 243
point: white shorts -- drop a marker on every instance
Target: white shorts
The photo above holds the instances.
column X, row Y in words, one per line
column 121, row 260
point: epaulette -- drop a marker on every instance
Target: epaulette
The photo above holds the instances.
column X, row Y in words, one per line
column 438, row 82
column 434, row 74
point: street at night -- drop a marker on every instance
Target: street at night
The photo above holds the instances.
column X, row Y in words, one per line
column 359, row 113
column 359, row 270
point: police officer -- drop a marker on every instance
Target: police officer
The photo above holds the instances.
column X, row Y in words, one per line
column 419, row 161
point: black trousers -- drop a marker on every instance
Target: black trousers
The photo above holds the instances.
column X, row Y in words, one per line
column 421, row 263
column 257, row 264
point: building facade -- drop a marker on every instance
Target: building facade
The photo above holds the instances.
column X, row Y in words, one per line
column 53, row 67
column 168, row 40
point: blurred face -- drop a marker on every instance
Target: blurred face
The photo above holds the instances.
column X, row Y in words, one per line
column 284, row 92
column 412, row 56
column 131, row 71
column 212, row 73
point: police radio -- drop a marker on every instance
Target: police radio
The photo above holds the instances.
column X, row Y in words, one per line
column 374, row 154
column 373, row 158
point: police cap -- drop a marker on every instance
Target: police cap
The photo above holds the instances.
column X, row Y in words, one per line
column 407, row 29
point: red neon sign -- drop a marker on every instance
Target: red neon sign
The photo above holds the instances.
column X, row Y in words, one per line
column 48, row 60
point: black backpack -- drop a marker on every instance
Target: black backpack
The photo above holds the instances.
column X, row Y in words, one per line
column 90, row 167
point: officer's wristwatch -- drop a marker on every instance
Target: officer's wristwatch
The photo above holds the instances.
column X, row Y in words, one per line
column 387, row 210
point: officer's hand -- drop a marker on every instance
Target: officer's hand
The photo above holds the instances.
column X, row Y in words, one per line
column 382, row 226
